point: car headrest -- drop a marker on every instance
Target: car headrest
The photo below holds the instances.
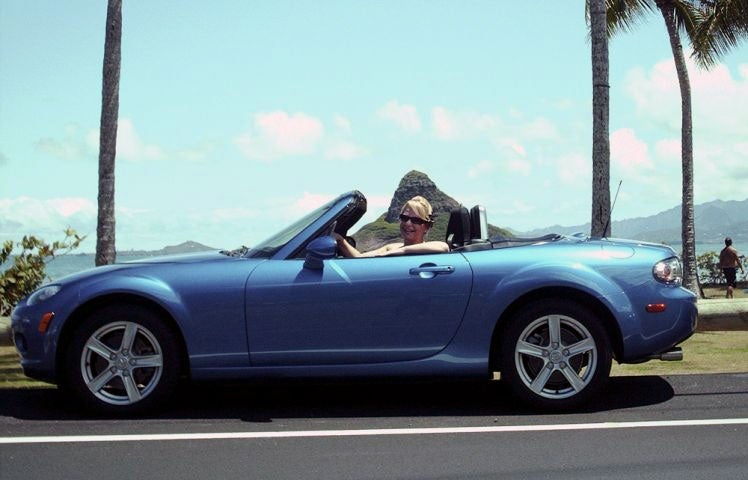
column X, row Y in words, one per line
column 478, row 223
column 458, row 228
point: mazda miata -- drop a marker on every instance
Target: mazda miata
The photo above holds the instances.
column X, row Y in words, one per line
column 546, row 315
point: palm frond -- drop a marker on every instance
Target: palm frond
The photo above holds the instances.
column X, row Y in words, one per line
column 724, row 23
column 626, row 15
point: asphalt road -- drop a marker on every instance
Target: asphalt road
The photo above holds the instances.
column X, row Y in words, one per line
column 684, row 427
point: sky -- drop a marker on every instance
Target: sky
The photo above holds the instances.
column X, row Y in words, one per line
column 237, row 117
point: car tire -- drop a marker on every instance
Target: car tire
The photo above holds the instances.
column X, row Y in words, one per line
column 122, row 359
column 555, row 354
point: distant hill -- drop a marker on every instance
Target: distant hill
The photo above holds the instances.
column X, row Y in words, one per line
column 185, row 247
column 713, row 220
column 387, row 227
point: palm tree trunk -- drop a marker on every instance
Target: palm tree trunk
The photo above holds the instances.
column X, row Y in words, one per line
column 688, row 231
column 105, row 228
column 600, row 128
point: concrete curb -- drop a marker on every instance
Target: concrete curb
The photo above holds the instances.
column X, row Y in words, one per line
column 714, row 315
column 723, row 314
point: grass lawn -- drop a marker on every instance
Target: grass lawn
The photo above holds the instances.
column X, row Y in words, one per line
column 720, row 291
column 705, row 352
column 11, row 375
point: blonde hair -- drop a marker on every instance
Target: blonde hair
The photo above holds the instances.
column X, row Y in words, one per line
column 421, row 207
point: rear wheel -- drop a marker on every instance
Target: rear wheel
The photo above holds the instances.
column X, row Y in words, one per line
column 122, row 359
column 555, row 354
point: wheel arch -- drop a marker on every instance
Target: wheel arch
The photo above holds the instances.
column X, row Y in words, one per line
column 560, row 293
column 122, row 299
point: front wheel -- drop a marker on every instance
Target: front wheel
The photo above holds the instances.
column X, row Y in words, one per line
column 122, row 359
column 555, row 354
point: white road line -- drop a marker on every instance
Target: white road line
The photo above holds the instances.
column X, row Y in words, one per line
column 368, row 432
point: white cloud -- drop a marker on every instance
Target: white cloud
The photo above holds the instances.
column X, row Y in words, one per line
column 458, row 125
column 75, row 145
column 668, row 149
column 515, row 208
column 539, row 129
column 378, row 201
column 343, row 150
column 199, row 152
column 521, row 166
column 309, row 201
column 629, row 152
column 130, row 146
column 65, row 149
column 69, row 147
column 720, row 102
column 404, row 116
column 338, row 146
column 47, row 219
column 481, row 168
column 574, row 169
column 720, row 113
column 277, row 134
column 342, row 123
column 510, row 145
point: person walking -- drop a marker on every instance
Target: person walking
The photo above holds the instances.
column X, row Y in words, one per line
column 729, row 262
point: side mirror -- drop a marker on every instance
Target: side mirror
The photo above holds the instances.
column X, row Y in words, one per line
column 318, row 250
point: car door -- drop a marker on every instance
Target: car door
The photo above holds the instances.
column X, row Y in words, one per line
column 358, row 310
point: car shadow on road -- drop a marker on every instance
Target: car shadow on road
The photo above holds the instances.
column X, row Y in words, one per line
column 267, row 402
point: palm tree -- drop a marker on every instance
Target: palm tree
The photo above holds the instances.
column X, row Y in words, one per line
column 713, row 27
column 600, row 128
column 105, row 228
column 679, row 15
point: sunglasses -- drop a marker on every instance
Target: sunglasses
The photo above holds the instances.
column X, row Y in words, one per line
column 413, row 220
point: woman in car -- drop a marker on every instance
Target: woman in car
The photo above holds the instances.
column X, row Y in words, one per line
column 416, row 219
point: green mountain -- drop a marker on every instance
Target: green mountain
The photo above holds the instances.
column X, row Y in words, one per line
column 386, row 228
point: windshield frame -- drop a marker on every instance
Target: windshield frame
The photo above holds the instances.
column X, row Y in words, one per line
column 268, row 247
column 304, row 229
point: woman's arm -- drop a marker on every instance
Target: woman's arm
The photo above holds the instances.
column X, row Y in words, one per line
column 345, row 248
column 433, row 246
column 349, row 251
column 392, row 249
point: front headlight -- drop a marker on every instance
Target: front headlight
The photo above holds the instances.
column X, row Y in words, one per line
column 668, row 271
column 44, row 293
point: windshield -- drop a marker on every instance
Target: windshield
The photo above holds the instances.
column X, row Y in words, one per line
column 268, row 247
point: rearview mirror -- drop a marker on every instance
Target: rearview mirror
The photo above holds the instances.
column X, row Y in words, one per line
column 319, row 250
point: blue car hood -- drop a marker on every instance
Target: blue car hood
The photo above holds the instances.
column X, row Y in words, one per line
column 181, row 258
column 190, row 258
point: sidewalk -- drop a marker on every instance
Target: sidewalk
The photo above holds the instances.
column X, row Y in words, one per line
column 714, row 314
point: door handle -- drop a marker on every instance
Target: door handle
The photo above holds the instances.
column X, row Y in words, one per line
column 430, row 271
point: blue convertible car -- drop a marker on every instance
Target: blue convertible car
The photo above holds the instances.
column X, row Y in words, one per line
column 550, row 314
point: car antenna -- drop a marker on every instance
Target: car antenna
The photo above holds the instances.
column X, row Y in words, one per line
column 607, row 224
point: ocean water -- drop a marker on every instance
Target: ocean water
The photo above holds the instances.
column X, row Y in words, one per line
column 63, row 265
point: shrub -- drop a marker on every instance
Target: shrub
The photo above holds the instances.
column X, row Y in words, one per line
column 707, row 265
column 27, row 268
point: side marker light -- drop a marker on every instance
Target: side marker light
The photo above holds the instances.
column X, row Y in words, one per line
column 656, row 307
column 45, row 321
